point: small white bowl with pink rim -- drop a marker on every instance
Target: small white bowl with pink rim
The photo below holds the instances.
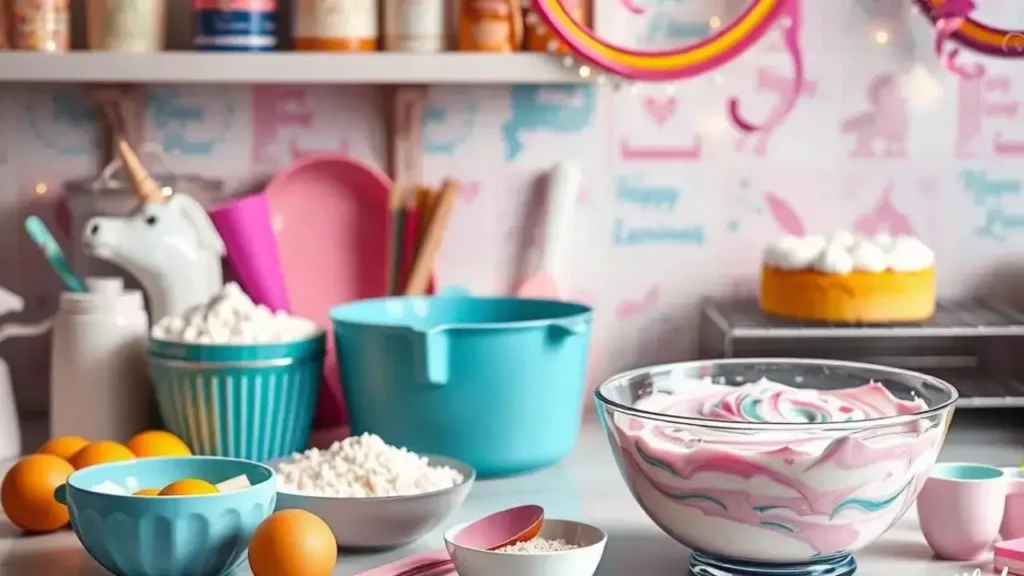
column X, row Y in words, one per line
column 546, row 558
column 775, row 465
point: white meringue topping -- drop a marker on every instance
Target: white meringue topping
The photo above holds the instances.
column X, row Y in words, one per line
column 844, row 253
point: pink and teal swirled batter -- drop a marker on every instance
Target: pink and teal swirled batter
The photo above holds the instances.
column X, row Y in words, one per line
column 792, row 495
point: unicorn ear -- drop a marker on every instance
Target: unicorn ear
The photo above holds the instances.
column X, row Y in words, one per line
column 196, row 215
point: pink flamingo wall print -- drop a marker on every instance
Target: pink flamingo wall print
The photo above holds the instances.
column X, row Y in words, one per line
column 791, row 22
column 274, row 108
column 973, row 108
column 883, row 218
column 886, row 122
column 771, row 81
column 630, row 308
column 950, row 16
column 784, row 215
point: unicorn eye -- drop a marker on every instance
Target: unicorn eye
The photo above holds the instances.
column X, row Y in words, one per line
column 151, row 220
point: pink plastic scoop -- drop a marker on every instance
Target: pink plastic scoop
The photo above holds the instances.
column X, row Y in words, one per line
column 488, row 533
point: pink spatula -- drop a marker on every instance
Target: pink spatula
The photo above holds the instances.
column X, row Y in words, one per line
column 488, row 533
column 563, row 185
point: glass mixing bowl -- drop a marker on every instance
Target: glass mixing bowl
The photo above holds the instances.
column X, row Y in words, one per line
column 756, row 498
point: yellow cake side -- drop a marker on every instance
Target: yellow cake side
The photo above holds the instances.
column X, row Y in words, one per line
column 858, row 297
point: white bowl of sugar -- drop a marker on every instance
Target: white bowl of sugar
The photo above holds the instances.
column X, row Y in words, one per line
column 373, row 495
column 563, row 548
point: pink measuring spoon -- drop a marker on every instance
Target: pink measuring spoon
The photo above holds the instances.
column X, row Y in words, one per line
column 488, row 533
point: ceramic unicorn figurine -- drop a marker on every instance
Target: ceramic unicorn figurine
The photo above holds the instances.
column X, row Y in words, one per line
column 168, row 243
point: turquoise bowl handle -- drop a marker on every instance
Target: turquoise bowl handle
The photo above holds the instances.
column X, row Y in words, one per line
column 569, row 327
column 431, row 355
column 60, row 494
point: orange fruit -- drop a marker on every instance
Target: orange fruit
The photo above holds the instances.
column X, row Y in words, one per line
column 100, row 452
column 27, row 493
column 189, row 487
column 147, row 492
column 63, row 446
column 293, row 543
column 153, row 443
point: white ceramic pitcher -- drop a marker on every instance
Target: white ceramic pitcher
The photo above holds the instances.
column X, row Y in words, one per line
column 10, row 428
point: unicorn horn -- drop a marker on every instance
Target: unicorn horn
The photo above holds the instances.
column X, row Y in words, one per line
column 144, row 185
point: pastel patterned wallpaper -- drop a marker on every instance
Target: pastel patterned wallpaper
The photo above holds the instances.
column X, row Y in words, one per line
column 676, row 205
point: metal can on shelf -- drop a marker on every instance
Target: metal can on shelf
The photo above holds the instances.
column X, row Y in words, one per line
column 41, row 25
column 126, row 25
column 235, row 25
column 336, row 25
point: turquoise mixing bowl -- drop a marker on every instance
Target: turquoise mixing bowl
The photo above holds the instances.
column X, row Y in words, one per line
column 252, row 401
column 168, row 535
column 497, row 383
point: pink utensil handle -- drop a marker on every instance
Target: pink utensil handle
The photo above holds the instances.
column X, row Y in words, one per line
column 411, row 565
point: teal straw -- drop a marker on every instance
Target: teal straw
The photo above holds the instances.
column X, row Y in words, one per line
column 42, row 238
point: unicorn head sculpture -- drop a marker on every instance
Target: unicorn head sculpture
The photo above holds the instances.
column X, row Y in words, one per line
column 168, row 242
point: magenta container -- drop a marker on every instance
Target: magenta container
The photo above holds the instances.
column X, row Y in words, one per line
column 246, row 227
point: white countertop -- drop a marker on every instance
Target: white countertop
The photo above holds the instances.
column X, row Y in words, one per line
column 586, row 486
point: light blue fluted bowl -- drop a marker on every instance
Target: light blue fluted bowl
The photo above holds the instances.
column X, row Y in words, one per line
column 497, row 383
column 168, row 535
column 253, row 401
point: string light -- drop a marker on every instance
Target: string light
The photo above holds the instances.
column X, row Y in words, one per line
column 715, row 22
column 584, row 71
column 881, row 36
column 41, row 189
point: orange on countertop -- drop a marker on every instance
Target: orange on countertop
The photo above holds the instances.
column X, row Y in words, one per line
column 101, row 452
column 293, row 543
column 152, row 443
column 27, row 493
column 147, row 492
column 63, row 446
column 189, row 487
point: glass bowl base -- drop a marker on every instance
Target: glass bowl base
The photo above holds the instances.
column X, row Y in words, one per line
column 835, row 565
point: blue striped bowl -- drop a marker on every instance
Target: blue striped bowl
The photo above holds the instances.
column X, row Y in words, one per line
column 204, row 535
column 253, row 401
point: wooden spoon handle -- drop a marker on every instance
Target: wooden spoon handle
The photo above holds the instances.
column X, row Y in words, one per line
column 419, row 278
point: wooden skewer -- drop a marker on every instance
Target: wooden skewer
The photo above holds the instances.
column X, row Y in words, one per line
column 394, row 248
column 419, row 278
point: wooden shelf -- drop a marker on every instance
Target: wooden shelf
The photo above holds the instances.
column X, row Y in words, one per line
column 380, row 68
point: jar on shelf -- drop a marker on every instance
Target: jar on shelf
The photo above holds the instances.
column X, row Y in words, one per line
column 336, row 25
column 40, row 25
column 235, row 25
column 126, row 25
column 415, row 25
column 537, row 33
column 490, row 25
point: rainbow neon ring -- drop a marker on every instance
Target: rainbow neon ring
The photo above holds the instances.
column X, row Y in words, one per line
column 723, row 46
column 973, row 34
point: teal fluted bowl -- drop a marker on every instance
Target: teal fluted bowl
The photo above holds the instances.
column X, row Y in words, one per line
column 168, row 535
column 252, row 401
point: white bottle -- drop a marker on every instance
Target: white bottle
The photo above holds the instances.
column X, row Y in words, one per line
column 98, row 384
column 418, row 25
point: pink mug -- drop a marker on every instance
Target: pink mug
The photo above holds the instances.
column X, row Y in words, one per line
column 961, row 509
column 1013, row 516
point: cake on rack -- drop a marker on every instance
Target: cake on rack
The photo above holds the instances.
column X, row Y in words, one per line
column 849, row 279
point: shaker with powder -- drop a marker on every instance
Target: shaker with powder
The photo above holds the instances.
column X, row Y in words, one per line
column 98, row 382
